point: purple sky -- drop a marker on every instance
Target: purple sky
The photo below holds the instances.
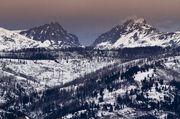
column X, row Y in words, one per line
column 88, row 18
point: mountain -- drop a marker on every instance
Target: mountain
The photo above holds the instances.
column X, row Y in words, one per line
column 10, row 40
column 53, row 34
column 136, row 33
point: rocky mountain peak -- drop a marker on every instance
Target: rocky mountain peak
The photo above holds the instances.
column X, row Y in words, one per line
column 135, row 33
column 53, row 33
column 131, row 21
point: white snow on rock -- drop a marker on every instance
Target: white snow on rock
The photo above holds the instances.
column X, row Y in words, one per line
column 142, row 75
column 153, row 94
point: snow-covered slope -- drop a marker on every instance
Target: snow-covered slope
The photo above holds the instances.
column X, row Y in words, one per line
column 136, row 33
column 150, row 93
column 51, row 73
column 53, row 34
column 143, row 88
column 10, row 40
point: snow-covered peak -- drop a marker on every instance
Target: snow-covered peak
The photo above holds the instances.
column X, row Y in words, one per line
column 138, row 24
column 136, row 33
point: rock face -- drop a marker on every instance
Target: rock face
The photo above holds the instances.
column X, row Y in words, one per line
column 136, row 33
column 53, row 34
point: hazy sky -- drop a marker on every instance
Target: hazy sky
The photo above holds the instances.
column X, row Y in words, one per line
column 88, row 18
